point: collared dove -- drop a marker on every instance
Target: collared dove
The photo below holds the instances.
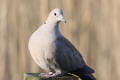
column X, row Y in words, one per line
column 54, row 53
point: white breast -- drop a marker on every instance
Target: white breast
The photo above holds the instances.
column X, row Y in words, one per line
column 41, row 46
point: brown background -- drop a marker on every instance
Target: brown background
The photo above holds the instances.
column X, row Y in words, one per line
column 93, row 26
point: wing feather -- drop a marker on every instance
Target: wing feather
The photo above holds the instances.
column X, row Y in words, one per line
column 67, row 56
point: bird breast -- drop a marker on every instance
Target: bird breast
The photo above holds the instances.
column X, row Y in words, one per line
column 42, row 48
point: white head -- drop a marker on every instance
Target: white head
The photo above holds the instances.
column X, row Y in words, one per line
column 56, row 16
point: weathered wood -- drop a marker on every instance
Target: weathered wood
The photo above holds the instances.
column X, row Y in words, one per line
column 35, row 76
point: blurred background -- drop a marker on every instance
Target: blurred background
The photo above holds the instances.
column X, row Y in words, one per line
column 93, row 26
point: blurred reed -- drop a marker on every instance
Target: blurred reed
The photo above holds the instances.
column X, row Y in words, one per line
column 93, row 26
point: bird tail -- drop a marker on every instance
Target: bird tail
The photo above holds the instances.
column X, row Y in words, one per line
column 85, row 73
column 86, row 77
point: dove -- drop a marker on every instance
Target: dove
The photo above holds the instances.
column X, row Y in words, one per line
column 54, row 53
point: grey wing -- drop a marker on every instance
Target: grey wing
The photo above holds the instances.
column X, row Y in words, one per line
column 67, row 56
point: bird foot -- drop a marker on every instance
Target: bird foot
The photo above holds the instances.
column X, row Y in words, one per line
column 50, row 74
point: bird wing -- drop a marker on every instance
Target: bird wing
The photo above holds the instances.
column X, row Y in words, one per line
column 67, row 56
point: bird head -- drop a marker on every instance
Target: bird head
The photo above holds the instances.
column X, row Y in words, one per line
column 56, row 16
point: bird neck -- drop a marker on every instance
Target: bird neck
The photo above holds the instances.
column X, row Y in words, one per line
column 57, row 30
column 51, row 19
column 54, row 27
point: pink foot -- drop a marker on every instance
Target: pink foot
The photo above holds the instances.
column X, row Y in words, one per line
column 50, row 74
column 45, row 74
column 55, row 74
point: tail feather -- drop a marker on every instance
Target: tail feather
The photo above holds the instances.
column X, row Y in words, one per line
column 86, row 77
column 85, row 73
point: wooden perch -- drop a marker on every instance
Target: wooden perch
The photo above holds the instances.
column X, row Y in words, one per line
column 35, row 76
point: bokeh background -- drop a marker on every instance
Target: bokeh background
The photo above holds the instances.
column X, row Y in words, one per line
column 93, row 26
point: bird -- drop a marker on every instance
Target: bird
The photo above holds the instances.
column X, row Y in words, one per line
column 54, row 53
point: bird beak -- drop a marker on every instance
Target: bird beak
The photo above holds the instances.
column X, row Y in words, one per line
column 61, row 18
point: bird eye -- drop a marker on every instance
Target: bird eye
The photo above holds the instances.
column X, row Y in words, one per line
column 55, row 14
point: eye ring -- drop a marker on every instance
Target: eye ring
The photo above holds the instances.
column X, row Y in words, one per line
column 55, row 14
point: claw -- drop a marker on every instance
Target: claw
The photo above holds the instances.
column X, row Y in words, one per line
column 50, row 74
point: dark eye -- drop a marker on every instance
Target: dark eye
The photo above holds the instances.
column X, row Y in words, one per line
column 55, row 14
